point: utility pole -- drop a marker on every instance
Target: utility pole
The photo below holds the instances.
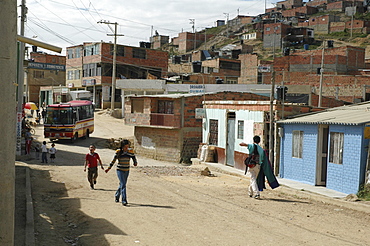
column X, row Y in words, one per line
column 20, row 79
column 114, row 59
column 272, row 98
column 192, row 22
column 205, row 38
column 321, row 73
column 227, row 23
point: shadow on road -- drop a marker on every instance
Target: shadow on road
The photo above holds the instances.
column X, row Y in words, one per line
column 70, row 158
column 285, row 200
column 84, row 142
column 149, row 205
column 58, row 218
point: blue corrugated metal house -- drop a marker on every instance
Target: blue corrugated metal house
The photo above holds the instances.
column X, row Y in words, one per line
column 327, row 148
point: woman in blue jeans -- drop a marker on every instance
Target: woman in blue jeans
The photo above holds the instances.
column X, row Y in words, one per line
column 123, row 155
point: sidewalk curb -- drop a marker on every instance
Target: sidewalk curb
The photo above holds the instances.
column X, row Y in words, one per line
column 295, row 190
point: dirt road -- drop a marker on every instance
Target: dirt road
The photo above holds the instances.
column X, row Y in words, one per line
column 170, row 204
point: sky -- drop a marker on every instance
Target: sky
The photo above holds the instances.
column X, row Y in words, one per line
column 66, row 23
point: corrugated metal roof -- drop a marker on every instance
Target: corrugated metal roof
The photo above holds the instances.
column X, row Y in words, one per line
column 354, row 114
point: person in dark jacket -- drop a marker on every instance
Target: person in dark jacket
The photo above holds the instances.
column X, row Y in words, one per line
column 123, row 155
column 254, row 171
column 260, row 172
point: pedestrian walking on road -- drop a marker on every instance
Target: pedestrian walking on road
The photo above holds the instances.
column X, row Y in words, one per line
column 52, row 152
column 28, row 137
column 259, row 171
column 123, row 155
column 44, row 152
column 43, row 113
column 91, row 162
column 254, row 171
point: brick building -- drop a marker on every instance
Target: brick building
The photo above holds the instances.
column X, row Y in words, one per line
column 157, row 41
column 208, row 71
column 289, row 4
column 341, row 6
column 240, row 19
column 317, row 3
column 249, row 72
column 273, row 34
column 90, row 65
column 299, row 11
column 165, row 125
column 279, row 36
column 320, row 24
column 44, row 70
column 187, row 41
column 343, row 78
column 358, row 26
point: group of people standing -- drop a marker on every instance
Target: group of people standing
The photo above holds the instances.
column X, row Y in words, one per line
column 44, row 150
column 123, row 155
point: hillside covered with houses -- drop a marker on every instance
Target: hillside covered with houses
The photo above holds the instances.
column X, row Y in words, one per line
column 222, row 85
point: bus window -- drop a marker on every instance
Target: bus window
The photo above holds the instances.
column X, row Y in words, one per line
column 74, row 116
column 59, row 116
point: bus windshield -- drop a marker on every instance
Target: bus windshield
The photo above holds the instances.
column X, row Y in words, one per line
column 59, row 116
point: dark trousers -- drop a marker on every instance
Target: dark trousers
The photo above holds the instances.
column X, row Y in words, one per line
column 92, row 174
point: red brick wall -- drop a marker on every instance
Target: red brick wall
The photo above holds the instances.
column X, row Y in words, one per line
column 174, row 145
column 337, row 27
column 326, row 102
column 154, row 58
column 186, row 40
column 248, row 69
column 280, row 28
column 353, row 57
column 46, row 58
column 300, row 10
column 167, row 143
column 338, row 6
column 315, row 3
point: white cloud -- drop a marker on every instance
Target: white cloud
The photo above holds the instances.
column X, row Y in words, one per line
column 66, row 23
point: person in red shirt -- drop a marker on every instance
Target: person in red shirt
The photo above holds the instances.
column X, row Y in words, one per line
column 91, row 162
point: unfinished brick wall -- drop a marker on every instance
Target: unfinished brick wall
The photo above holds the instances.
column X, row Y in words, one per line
column 337, row 27
column 248, row 69
column 174, row 145
column 158, row 143
column 46, row 58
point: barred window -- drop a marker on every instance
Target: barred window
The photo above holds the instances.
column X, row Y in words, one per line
column 240, row 129
column 165, row 107
column 297, row 144
column 70, row 75
column 139, row 53
column 213, row 132
column 38, row 74
column 336, row 147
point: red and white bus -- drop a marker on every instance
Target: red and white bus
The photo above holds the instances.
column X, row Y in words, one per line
column 71, row 120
